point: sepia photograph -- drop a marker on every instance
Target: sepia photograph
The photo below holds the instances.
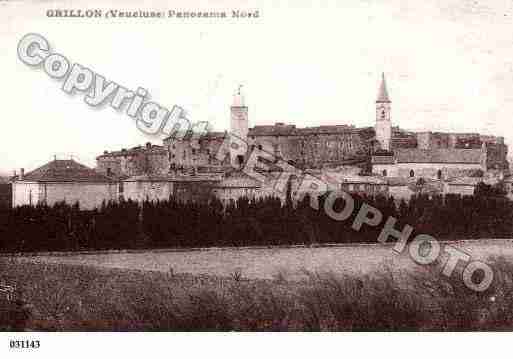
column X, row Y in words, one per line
column 309, row 167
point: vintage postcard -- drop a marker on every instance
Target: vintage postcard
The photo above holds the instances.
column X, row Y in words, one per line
column 254, row 166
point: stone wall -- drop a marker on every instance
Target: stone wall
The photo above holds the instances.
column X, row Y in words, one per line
column 496, row 156
column 428, row 170
column 89, row 195
column 140, row 190
column 313, row 151
column 464, row 190
column 188, row 153
column 193, row 191
column 25, row 193
column 134, row 162
column 432, row 140
column 226, row 194
column 309, row 151
column 400, row 192
column 372, row 189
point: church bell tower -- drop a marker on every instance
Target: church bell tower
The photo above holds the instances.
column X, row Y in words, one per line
column 238, row 129
column 383, row 126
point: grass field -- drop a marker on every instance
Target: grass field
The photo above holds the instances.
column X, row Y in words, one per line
column 267, row 263
column 63, row 296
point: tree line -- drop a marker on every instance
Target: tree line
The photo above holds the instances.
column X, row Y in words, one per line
column 259, row 222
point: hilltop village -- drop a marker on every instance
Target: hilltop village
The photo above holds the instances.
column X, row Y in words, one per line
column 379, row 159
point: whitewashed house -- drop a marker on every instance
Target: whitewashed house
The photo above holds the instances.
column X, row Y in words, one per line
column 63, row 180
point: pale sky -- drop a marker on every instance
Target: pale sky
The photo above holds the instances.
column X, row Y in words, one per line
column 448, row 63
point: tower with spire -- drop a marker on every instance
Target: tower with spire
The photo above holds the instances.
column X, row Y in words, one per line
column 239, row 127
column 383, row 125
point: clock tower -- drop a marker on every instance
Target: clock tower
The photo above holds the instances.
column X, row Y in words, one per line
column 383, row 126
column 238, row 129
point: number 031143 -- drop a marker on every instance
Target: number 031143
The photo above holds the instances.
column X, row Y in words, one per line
column 24, row 344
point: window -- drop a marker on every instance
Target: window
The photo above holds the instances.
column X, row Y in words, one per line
column 121, row 187
column 109, row 172
column 384, row 173
column 412, row 173
column 439, row 174
column 240, row 159
column 260, row 147
column 193, row 151
column 351, row 187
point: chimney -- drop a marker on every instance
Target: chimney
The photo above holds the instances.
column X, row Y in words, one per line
column 148, row 145
column 22, row 173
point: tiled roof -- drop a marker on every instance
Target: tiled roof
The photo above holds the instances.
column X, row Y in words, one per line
column 441, row 155
column 272, row 130
column 65, row 171
column 281, row 129
column 133, row 151
column 188, row 135
column 206, row 177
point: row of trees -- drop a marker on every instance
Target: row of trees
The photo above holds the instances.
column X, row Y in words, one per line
column 170, row 223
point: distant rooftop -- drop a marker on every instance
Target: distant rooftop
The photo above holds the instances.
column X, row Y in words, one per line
column 133, row 151
column 282, row 129
column 64, row 171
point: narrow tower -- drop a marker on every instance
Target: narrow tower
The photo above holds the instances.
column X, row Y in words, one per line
column 383, row 123
column 238, row 129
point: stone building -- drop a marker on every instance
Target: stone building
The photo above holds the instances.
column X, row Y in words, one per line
column 136, row 161
column 312, row 147
column 159, row 188
column 435, row 163
column 383, row 125
column 63, row 180
column 374, row 149
column 238, row 185
column 391, row 158
column 434, row 155
column 464, row 186
column 188, row 153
